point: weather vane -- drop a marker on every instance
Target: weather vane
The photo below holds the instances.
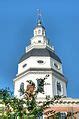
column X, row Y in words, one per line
column 39, row 15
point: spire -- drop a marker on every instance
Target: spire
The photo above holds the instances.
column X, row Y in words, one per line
column 39, row 15
column 39, row 39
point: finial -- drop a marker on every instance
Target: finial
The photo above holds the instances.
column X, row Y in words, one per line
column 39, row 15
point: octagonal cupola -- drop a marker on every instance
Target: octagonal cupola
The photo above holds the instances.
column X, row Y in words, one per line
column 39, row 37
column 39, row 29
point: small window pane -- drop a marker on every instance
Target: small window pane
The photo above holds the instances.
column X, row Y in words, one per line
column 40, row 85
column 58, row 88
column 21, row 89
column 39, row 41
column 63, row 115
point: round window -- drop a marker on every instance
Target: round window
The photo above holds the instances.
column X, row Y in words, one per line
column 24, row 65
column 56, row 66
column 40, row 61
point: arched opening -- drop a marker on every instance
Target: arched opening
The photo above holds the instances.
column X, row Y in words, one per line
column 58, row 88
column 21, row 89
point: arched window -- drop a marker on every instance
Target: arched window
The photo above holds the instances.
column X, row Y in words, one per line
column 40, row 85
column 58, row 88
column 21, row 89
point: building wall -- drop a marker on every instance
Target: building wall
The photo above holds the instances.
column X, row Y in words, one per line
column 63, row 86
column 71, row 111
column 34, row 76
column 31, row 62
column 50, row 86
column 53, row 62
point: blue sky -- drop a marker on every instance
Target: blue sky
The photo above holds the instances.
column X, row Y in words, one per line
column 61, row 20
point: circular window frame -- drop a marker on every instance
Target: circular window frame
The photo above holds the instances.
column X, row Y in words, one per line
column 24, row 65
column 57, row 66
column 40, row 62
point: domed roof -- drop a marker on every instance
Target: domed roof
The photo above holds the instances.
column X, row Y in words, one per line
column 40, row 52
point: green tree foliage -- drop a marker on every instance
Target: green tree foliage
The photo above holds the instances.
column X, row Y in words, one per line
column 14, row 107
column 26, row 108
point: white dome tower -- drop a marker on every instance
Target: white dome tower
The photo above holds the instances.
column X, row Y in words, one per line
column 40, row 62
